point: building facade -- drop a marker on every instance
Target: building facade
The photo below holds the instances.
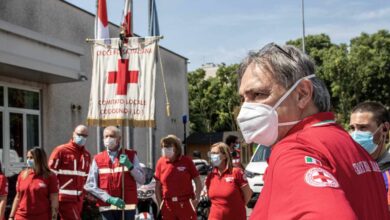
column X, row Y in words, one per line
column 45, row 79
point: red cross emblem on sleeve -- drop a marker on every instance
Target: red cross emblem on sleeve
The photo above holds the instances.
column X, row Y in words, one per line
column 122, row 77
column 319, row 177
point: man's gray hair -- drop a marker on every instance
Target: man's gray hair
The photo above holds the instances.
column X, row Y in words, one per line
column 288, row 64
column 116, row 130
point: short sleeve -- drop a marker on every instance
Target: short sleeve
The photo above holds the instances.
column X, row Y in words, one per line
column 18, row 181
column 208, row 181
column 3, row 185
column 192, row 169
column 239, row 177
column 157, row 173
column 304, row 185
column 53, row 184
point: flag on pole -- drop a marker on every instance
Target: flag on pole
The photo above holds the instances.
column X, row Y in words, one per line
column 127, row 22
column 154, row 29
column 101, row 21
column 123, row 90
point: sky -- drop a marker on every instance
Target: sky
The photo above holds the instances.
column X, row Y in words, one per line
column 224, row 31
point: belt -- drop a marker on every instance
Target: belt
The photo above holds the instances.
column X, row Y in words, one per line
column 178, row 198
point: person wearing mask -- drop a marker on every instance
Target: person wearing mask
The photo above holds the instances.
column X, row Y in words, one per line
column 36, row 190
column 105, row 177
column 174, row 174
column 315, row 170
column 3, row 193
column 71, row 163
column 234, row 147
column 226, row 186
column 369, row 126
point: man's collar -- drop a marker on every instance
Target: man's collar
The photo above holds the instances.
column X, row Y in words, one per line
column 318, row 119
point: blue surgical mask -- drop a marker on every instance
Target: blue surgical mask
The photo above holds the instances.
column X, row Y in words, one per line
column 79, row 140
column 237, row 146
column 215, row 159
column 30, row 163
column 366, row 140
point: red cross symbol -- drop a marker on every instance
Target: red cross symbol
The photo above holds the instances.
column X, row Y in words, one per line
column 322, row 177
column 122, row 77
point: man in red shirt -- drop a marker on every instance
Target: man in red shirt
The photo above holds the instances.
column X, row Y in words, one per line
column 316, row 170
column 3, row 194
column 71, row 163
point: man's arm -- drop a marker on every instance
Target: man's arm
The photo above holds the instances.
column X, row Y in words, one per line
column 298, row 189
column 137, row 171
column 91, row 184
column 158, row 192
column 198, row 190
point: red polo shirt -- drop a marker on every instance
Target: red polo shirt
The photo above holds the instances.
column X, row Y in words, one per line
column 3, row 185
column 224, row 191
column 176, row 177
column 318, row 172
column 34, row 194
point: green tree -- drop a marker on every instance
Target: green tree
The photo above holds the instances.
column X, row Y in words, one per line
column 213, row 100
column 353, row 73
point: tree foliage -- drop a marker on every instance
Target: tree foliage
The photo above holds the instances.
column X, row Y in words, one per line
column 354, row 72
column 212, row 100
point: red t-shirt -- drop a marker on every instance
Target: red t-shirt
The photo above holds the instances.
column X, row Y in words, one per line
column 3, row 185
column 224, row 191
column 176, row 177
column 34, row 194
column 318, row 172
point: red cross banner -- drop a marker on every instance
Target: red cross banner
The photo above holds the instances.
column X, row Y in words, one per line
column 123, row 89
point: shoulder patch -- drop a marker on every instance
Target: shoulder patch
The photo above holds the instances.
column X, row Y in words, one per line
column 319, row 177
column 312, row 160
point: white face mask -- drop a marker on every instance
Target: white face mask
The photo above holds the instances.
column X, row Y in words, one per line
column 167, row 152
column 110, row 143
column 259, row 122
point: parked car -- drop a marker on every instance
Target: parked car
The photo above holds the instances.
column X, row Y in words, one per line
column 202, row 166
column 254, row 172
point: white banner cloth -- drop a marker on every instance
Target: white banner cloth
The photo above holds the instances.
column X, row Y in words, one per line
column 123, row 90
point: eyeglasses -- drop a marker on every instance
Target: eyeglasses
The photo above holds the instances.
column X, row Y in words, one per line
column 272, row 45
column 83, row 135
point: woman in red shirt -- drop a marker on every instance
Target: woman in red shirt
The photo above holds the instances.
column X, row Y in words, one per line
column 36, row 190
column 226, row 186
column 3, row 193
column 174, row 174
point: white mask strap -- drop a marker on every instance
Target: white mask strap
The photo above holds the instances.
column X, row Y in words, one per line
column 290, row 90
column 288, row 123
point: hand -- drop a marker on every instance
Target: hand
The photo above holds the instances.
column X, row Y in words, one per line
column 118, row 202
column 124, row 160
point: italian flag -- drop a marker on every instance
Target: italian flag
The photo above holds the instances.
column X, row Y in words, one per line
column 312, row 160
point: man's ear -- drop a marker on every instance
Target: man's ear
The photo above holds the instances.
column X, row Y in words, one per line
column 305, row 93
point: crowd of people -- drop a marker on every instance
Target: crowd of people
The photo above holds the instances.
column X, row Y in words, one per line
column 317, row 169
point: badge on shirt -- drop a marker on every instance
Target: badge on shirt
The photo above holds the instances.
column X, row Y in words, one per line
column 319, row 177
column 42, row 185
column 312, row 160
column 229, row 179
column 181, row 169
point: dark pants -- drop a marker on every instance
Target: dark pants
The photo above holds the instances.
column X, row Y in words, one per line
column 117, row 215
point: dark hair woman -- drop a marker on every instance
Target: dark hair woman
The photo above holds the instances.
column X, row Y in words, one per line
column 36, row 190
